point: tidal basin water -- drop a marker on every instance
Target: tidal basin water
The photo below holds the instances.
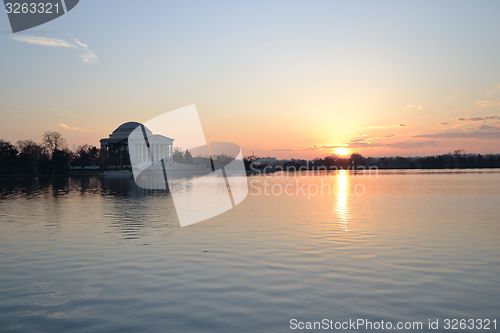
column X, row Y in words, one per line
column 100, row 255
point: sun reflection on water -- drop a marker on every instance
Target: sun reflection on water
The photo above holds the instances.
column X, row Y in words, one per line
column 341, row 209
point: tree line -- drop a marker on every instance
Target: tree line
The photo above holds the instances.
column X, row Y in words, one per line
column 456, row 160
column 51, row 156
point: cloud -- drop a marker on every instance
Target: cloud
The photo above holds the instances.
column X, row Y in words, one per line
column 88, row 56
column 411, row 144
column 376, row 127
column 329, row 146
column 483, row 133
column 367, row 142
column 315, row 147
column 412, row 107
column 478, row 118
column 279, row 149
column 489, row 128
column 471, row 119
column 71, row 128
column 398, row 145
column 444, row 123
column 43, row 41
column 487, row 103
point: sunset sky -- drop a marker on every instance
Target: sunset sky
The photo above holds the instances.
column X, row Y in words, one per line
column 280, row 78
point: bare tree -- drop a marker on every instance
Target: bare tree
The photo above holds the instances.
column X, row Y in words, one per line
column 53, row 141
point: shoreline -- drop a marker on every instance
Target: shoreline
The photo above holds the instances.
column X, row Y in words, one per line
column 120, row 174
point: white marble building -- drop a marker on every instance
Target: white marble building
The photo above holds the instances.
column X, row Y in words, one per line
column 115, row 147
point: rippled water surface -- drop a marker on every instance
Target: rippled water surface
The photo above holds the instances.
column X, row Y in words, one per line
column 100, row 255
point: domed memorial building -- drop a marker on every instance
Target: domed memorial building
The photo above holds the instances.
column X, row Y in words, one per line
column 114, row 149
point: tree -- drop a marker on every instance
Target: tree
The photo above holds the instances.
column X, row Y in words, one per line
column 357, row 160
column 188, row 158
column 53, row 141
column 8, row 157
column 60, row 160
column 177, row 155
column 182, row 157
column 33, row 157
column 86, row 155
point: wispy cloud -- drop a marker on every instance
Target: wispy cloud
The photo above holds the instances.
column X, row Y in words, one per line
column 88, row 56
column 315, row 147
column 410, row 144
column 412, row 107
column 484, row 132
column 43, row 41
column 479, row 118
column 328, row 146
column 280, row 149
column 398, row 145
column 71, row 128
column 471, row 119
column 377, row 127
column 372, row 143
column 487, row 103
column 489, row 128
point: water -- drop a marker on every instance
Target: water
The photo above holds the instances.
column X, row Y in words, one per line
column 100, row 255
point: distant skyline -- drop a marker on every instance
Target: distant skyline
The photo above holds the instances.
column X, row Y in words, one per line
column 280, row 78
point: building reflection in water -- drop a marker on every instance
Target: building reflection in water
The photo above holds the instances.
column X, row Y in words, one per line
column 341, row 208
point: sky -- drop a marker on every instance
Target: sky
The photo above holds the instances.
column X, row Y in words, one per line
column 279, row 78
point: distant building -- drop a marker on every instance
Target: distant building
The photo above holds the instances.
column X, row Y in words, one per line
column 114, row 149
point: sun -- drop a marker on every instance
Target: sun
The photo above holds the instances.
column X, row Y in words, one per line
column 341, row 151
